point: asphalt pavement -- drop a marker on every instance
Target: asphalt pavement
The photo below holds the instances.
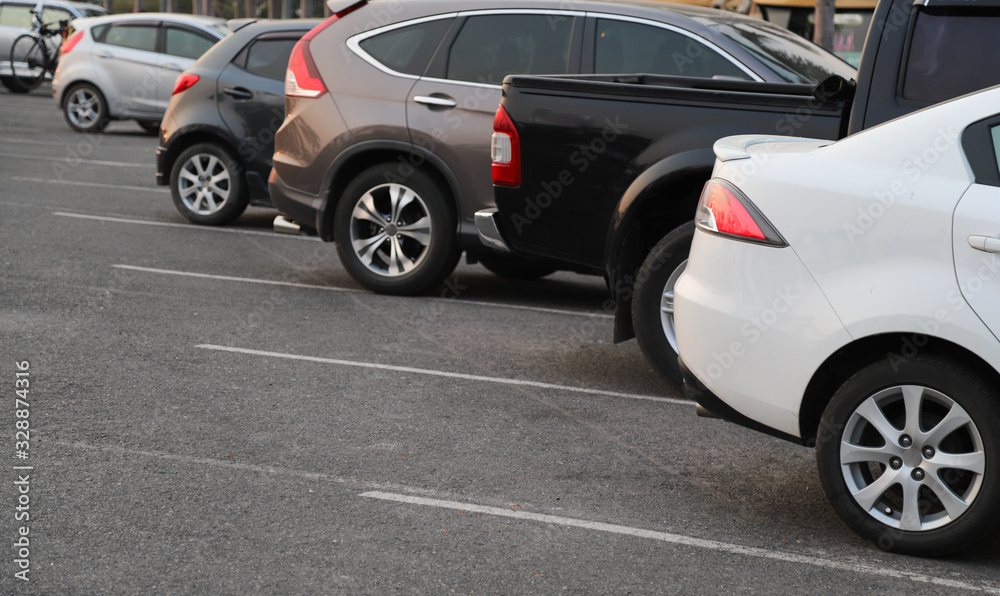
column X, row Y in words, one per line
column 224, row 411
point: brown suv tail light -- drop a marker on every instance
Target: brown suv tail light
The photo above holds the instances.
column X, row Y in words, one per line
column 302, row 79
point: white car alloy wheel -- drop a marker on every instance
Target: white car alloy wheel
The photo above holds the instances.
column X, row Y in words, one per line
column 912, row 458
column 907, row 453
column 390, row 229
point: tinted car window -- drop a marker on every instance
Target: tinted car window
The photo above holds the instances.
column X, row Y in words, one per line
column 15, row 15
column 625, row 47
column 137, row 37
column 995, row 135
column 186, row 44
column 491, row 47
column 268, row 57
column 791, row 57
column 407, row 49
column 953, row 53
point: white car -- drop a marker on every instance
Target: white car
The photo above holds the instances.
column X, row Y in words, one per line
column 125, row 66
column 847, row 295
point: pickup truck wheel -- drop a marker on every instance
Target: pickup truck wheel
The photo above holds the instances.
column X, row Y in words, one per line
column 396, row 237
column 653, row 301
column 908, row 454
column 513, row 267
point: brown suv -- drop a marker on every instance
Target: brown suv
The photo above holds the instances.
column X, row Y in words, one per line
column 390, row 105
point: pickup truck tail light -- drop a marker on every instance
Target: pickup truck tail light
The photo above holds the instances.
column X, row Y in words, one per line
column 725, row 210
column 302, row 79
column 506, row 149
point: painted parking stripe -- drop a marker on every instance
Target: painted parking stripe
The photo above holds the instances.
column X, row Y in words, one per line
column 557, row 311
column 336, row 289
column 449, row 375
column 689, row 541
column 239, row 279
column 163, row 224
column 678, row 539
column 75, row 160
column 93, row 184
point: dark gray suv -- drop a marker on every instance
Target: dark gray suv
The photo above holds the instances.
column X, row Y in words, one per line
column 386, row 146
column 217, row 136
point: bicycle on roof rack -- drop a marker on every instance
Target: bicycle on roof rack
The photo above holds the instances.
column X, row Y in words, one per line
column 32, row 56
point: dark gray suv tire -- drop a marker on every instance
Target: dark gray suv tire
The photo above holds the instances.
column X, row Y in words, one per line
column 207, row 185
column 394, row 234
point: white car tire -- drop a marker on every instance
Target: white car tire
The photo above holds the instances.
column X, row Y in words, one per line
column 908, row 452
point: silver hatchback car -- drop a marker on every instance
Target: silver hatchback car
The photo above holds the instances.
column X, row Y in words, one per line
column 125, row 66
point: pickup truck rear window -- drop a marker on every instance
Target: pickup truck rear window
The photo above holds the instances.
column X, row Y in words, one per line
column 491, row 47
column 792, row 58
column 626, row 47
column 953, row 51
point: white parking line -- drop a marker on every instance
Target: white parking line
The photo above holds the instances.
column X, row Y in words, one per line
column 71, row 161
column 679, row 539
column 94, row 184
column 449, row 375
column 230, row 278
column 336, row 289
column 558, row 311
column 147, row 222
column 690, row 541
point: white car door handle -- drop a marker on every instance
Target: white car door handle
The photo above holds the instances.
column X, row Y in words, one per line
column 104, row 54
column 985, row 243
column 441, row 102
column 172, row 66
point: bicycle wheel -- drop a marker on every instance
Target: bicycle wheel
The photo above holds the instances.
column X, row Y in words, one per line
column 27, row 63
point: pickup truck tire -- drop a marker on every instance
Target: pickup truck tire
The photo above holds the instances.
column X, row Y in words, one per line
column 907, row 453
column 653, row 300
column 396, row 237
column 514, row 267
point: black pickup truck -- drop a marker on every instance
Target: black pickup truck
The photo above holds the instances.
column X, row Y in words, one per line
column 602, row 174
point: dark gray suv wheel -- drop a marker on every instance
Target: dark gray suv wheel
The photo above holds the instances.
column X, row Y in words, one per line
column 207, row 185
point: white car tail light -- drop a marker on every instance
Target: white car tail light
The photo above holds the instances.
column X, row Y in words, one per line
column 725, row 210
